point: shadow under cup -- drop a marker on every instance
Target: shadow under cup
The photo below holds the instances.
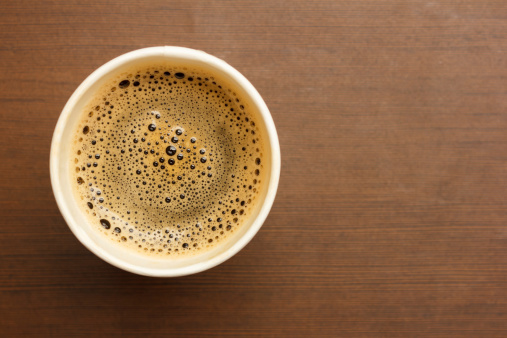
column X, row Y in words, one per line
column 76, row 218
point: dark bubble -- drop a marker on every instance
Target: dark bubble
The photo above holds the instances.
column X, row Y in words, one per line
column 257, row 172
column 152, row 127
column 157, row 116
column 117, row 230
column 192, row 166
column 90, row 205
column 193, row 140
column 167, row 199
column 167, row 73
column 203, row 159
column 80, row 180
column 171, row 150
column 155, row 164
column 174, row 139
column 94, row 142
column 178, row 132
column 171, row 161
column 257, row 161
column 97, row 156
column 138, row 172
column 185, row 245
column 179, row 75
column 161, row 160
column 124, row 84
column 180, row 156
column 136, row 140
column 86, row 129
column 105, row 224
column 136, row 83
column 182, row 196
column 202, row 151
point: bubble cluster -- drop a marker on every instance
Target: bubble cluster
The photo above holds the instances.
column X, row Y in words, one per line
column 167, row 161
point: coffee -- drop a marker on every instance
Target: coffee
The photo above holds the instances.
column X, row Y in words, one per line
column 168, row 160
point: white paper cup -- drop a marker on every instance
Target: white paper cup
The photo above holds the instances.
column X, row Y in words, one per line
column 105, row 248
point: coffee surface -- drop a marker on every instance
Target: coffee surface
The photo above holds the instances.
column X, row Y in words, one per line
column 167, row 161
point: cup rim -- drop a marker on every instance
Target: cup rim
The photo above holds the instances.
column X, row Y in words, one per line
column 191, row 55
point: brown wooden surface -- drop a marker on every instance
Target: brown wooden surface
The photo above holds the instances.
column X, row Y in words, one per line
column 391, row 216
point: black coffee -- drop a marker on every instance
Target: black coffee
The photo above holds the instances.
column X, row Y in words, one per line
column 168, row 160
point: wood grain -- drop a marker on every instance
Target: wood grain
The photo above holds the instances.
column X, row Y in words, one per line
column 391, row 216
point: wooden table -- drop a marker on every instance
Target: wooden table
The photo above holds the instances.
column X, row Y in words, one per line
column 391, row 215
